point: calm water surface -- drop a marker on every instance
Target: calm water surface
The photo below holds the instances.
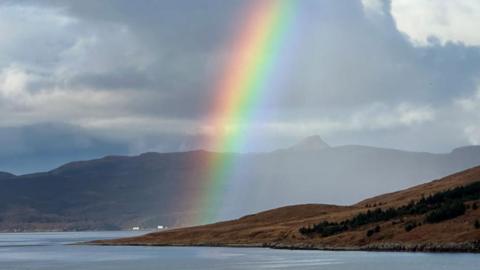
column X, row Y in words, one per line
column 50, row 251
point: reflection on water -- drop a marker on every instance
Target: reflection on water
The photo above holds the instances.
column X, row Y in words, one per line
column 50, row 251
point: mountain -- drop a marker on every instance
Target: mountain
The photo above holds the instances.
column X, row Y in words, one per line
column 5, row 175
column 312, row 143
column 442, row 215
column 155, row 188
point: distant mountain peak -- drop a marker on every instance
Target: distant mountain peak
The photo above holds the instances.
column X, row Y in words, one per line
column 466, row 149
column 311, row 143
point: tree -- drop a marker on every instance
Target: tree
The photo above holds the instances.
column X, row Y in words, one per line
column 446, row 211
column 410, row 226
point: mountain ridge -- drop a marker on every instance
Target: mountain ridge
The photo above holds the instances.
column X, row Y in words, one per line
column 466, row 148
column 125, row 191
column 5, row 175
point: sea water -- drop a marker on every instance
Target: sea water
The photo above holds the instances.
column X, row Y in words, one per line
column 51, row 251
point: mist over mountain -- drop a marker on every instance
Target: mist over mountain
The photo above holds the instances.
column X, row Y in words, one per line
column 155, row 188
column 312, row 143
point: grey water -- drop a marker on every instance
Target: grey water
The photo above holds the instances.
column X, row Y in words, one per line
column 35, row 251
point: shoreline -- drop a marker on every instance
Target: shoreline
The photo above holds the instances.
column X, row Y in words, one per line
column 465, row 247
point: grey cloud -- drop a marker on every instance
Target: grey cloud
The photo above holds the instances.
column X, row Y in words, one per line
column 146, row 71
column 44, row 146
column 359, row 61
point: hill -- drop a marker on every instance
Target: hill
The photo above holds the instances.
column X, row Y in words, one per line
column 119, row 192
column 420, row 218
column 312, row 143
column 5, row 175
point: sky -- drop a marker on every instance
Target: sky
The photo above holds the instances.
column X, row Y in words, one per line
column 85, row 79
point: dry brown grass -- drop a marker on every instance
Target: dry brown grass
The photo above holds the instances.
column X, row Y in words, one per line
column 279, row 227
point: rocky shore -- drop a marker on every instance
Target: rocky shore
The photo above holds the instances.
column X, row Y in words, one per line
column 464, row 247
column 470, row 247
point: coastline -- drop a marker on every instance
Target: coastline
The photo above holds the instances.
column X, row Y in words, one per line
column 39, row 251
column 464, row 247
column 388, row 222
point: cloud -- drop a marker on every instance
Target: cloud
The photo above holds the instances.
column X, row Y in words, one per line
column 472, row 132
column 381, row 116
column 22, row 106
column 13, row 84
column 40, row 147
column 470, row 106
column 374, row 6
column 142, row 76
column 376, row 116
column 429, row 21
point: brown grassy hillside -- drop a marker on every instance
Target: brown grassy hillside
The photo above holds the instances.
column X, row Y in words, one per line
column 280, row 227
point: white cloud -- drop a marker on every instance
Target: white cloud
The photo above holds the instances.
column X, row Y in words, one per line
column 13, row 83
column 22, row 106
column 470, row 106
column 410, row 115
column 455, row 21
column 473, row 134
column 375, row 6
column 380, row 116
column 376, row 116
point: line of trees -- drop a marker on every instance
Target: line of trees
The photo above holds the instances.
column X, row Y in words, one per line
column 437, row 207
column 446, row 211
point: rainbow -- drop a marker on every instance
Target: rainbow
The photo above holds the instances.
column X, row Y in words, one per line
column 256, row 51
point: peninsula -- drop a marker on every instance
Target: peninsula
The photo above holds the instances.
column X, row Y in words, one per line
column 439, row 216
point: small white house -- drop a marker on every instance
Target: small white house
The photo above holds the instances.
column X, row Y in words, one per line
column 136, row 228
column 160, row 227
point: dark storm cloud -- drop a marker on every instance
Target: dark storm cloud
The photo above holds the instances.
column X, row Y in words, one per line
column 44, row 146
column 183, row 42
